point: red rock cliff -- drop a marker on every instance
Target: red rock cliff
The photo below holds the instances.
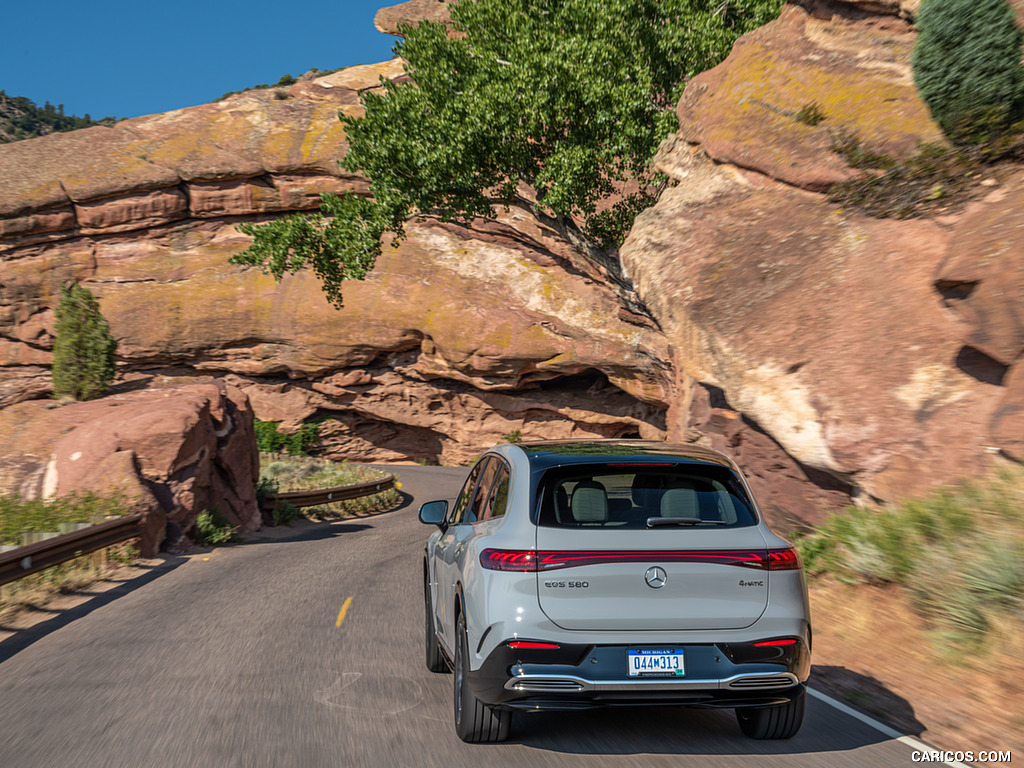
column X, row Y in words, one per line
column 878, row 353
column 425, row 356
column 880, row 350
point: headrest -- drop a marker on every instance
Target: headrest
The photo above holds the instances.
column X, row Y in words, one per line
column 680, row 502
column 589, row 502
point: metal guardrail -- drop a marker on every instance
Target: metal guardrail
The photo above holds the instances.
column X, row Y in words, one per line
column 329, row 495
column 32, row 558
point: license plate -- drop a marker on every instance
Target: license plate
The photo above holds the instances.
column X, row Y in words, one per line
column 655, row 662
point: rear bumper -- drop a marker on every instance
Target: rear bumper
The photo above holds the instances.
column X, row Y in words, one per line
column 578, row 677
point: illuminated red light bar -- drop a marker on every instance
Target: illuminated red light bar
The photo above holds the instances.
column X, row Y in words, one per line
column 783, row 560
column 530, row 645
column 509, row 560
column 770, row 643
column 530, row 560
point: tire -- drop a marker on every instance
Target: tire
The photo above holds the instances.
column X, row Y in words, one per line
column 435, row 659
column 475, row 722
column 781, row 721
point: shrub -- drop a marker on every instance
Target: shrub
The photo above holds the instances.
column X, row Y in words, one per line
column 284, row 512
column 83, row 350
column 966, row 64
column 935, row 177
column 299, row 443
column 266, row 485
column 959, row 553
column 810, row 114
column 214, row 529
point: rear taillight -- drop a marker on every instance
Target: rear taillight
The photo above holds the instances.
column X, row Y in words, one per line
column 509, row 560
column 528, row 560
column 783, row 560
column 530, row 645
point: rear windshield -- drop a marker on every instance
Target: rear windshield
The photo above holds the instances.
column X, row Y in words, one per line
column 623, row 497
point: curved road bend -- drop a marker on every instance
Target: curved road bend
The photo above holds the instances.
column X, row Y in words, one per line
column 237, row 658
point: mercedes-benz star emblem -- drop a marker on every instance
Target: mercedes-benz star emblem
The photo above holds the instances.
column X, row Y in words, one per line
column 655, row 577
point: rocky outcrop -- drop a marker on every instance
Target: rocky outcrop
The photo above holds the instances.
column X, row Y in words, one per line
column 388, row 20
column 982, row 282
column 461, row 337
column 830, row 352
column 746, row 112
column 447, row 322
column 171, row 451
column 871, row 349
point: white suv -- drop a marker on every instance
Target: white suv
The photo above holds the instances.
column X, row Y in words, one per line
column 580, row 574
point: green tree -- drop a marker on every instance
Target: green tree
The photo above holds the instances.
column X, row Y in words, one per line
column 548, row 105
column 966, row 64
column 83, row 350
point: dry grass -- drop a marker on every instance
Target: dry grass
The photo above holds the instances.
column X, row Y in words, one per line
column 38, row 590
column 302, row 474
column 958, row 554
column 918, row 612
column 872, row 650
column 18, row 515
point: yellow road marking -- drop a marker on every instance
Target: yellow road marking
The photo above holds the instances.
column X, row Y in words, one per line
column 344, row 610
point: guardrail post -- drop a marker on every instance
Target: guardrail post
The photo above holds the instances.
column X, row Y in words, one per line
column 99, row 557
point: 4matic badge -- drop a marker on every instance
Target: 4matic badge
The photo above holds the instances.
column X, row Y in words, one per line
column 751, row 583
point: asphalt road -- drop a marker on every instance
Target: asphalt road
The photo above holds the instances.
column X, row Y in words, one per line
column 237, row 658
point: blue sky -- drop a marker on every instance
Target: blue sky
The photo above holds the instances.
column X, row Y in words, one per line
column 123, row 59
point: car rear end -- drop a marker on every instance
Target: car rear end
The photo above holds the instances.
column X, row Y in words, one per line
column 654, row 580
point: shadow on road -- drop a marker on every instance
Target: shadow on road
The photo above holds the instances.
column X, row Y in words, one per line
column 831, row 736
column 24, row 637
column 315, row 532
column 869, row 695
column 404, row 500
column 679, row 730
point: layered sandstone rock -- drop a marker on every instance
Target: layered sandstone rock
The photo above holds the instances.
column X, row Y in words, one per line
column 982, row 282
column 746, row 111
column 390, row 18
column 452, row 315
column 172, row 451
column 459, row 338
column 879, row 354
column 831, row 330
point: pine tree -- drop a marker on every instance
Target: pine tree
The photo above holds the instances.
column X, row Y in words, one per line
column 83, row 351
column 967, row 64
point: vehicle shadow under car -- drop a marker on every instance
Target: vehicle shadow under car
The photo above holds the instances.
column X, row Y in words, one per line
column 681, row 730
column 637, row 731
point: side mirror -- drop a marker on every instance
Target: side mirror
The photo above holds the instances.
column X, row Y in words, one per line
column 434, row 513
